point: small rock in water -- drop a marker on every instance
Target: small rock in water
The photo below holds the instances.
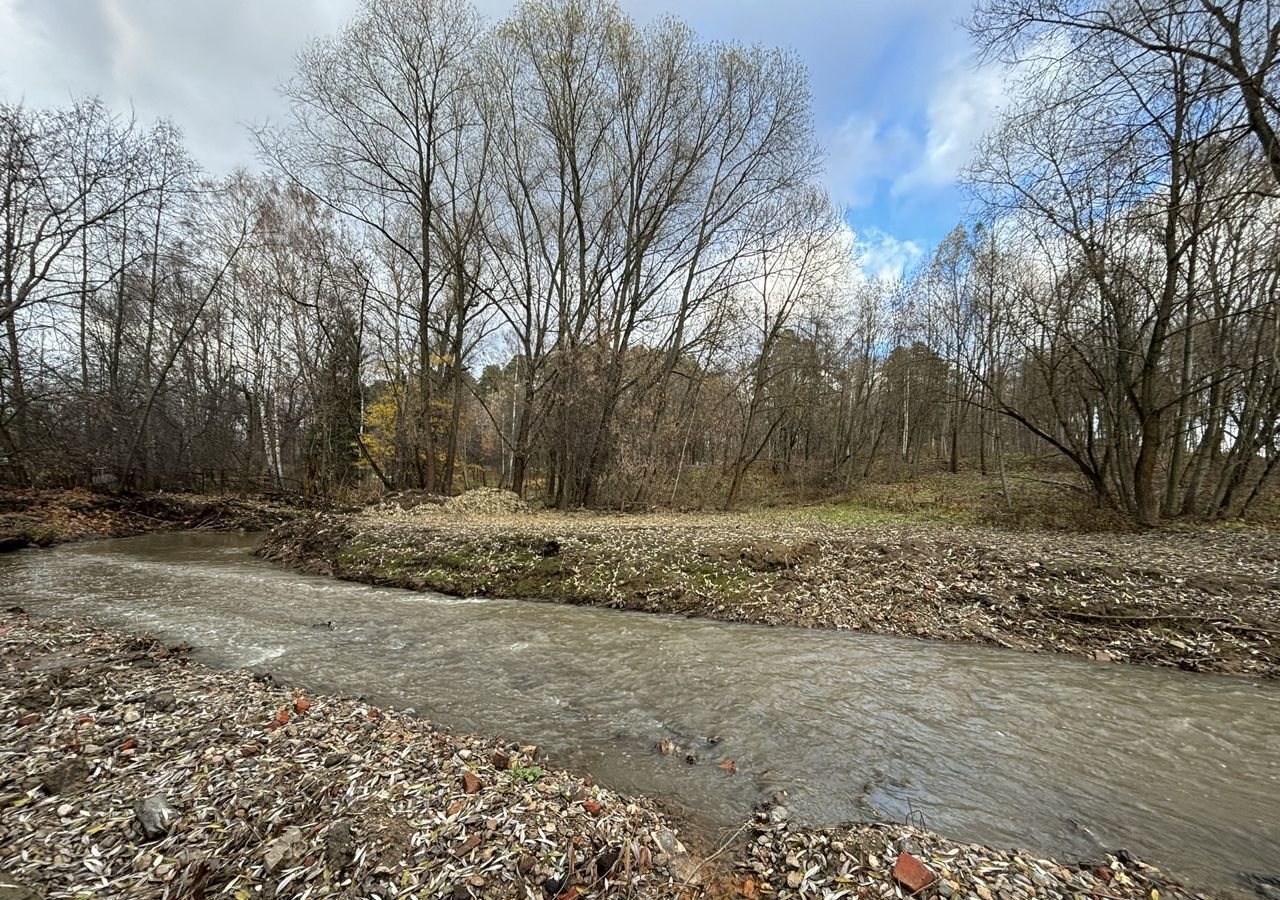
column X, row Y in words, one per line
column 1102, row 656
column 779, row 814
column 1267, row 887
column 156, row 816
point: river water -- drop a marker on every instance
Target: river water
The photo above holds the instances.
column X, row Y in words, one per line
column 1042, row 752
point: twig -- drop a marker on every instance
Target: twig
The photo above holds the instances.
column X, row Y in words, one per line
column 718, row 852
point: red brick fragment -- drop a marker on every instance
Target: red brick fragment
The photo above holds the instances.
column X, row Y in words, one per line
column 911, row 873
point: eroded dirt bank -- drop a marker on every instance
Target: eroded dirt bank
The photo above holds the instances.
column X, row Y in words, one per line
column 45, row 517
column 1206, row 601
column 129, row 770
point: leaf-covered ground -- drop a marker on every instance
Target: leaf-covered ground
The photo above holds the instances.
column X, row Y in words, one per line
column 45, row 517
column 1202, row 600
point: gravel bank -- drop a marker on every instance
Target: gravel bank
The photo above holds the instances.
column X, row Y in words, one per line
column 1205, row 601
column 129, row 771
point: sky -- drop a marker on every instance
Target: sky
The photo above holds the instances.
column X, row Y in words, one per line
column 898, row 102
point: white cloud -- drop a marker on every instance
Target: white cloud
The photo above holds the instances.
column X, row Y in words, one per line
column 963, row 107
column 884, row 257
column 861, row 153
column 867, row 152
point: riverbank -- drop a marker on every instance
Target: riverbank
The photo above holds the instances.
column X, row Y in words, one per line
column 129, row 770
column 1199, row 600
column 41, row 518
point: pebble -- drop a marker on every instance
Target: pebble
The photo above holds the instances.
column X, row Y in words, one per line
column 156, row 816
column 163, row 701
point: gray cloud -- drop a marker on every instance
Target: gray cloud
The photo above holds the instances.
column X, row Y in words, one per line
column 208, row 66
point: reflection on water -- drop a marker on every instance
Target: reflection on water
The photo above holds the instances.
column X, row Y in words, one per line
column 1011, row 749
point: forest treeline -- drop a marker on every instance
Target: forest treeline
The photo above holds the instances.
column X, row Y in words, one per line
column 591, row 261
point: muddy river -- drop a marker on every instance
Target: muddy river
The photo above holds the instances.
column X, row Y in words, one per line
column 1053, row 754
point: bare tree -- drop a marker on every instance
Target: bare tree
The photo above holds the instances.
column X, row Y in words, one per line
column 374, row 116
column 1237, row 42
